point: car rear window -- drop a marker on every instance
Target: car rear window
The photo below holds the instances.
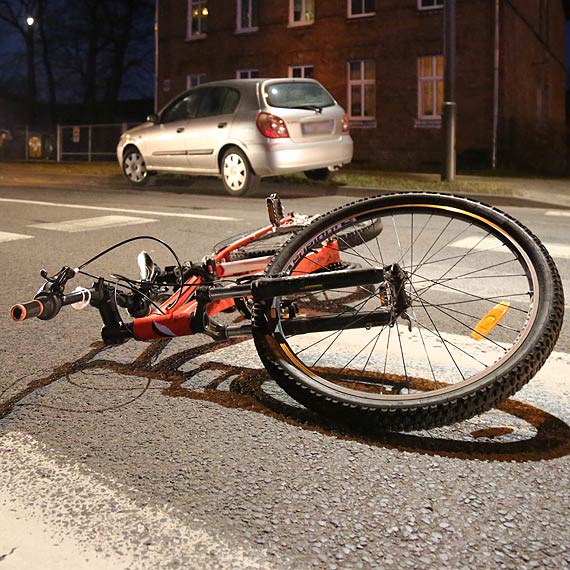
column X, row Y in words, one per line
column 297, row 95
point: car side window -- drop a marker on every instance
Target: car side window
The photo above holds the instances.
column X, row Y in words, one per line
column 218, row 101
column 181, row 109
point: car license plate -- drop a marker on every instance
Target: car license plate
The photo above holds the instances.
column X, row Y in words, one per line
column 317, row 128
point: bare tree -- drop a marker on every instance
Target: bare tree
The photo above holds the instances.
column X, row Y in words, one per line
column 81, row 51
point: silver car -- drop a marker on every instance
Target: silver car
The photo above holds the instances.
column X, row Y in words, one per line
column 241, row 130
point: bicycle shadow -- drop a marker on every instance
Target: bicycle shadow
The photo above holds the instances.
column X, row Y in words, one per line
column 515, row 431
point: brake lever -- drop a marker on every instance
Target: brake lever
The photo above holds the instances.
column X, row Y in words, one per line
column 59, row 280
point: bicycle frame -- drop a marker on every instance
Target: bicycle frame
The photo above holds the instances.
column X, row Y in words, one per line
column 186, row 312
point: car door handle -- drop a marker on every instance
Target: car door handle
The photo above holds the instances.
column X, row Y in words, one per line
column 222, row 125
column 180, row 129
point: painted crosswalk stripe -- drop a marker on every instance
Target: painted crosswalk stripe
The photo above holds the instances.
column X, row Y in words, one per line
column 7, row 236
column 558, row 250
column 564, row 213
column 122, row 210
column 86, row 224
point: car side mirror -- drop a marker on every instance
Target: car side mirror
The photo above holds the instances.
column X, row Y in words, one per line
column 152, row 118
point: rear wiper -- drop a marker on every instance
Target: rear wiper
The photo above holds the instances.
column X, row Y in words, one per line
column 315, row 108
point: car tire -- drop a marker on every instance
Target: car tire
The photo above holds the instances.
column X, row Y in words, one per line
column 134, row 168
column 319, row 174
column 237, row 175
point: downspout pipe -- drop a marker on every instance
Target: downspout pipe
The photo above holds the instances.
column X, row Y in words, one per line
column 496, row 61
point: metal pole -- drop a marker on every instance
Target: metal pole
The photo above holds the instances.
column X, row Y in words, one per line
column 449, row 105
column 156, row 16
column 59, row 142
column 496, row 62
column 90, row 132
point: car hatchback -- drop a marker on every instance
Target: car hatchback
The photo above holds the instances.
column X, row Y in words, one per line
column 241, row 130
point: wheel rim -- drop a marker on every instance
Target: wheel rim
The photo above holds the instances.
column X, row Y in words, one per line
column 460, row 269
column 134, row 167
column 235, row 172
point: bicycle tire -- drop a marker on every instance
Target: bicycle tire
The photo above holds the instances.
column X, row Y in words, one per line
column 420, row 385
column 270, row 244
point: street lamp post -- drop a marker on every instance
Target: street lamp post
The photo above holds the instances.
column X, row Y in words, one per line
column 31, row 64
column 449, row 105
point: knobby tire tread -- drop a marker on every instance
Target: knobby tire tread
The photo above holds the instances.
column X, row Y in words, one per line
column 432, row 415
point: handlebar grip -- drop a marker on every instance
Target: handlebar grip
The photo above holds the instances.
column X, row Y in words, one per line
column 23, row 311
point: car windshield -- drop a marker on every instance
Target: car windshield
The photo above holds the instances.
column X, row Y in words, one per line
column 297, row 95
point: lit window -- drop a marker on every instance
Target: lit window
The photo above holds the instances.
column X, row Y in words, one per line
column 357, row 8
column 195, row 79
column 197, row 18
column 246, row 20
column 247, row 73
column 362, row 89
column 301, row 12
column 430, row 87
column 302, row 71
column 430, row 4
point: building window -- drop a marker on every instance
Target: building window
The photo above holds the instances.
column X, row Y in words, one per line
column 359, row 8
column 301, row 12
column 362, row 89
column 195, row 79
column 430, row 87
column 430, row 4
column 302, row 71
column 246, row 16
column 247, row 73
column 197, row 19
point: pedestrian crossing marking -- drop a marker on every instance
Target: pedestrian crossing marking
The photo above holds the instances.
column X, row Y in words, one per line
column 558, row 250
column 564, row 213
column 87, row 224
column 7, row 236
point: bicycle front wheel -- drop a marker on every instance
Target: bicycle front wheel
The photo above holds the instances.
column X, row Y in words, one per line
column 485, row 307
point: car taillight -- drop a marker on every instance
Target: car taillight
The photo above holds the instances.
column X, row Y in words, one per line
column 345, row 124
column 271, row 126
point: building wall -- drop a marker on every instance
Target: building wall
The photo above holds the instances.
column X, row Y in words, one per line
column 533, row 132
column 394, row 38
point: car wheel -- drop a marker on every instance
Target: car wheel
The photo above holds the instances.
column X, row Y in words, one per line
column 237, row 174
column 134, row 168
column 319, row 174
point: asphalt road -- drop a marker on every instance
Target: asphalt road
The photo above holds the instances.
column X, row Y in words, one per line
column 110, row 458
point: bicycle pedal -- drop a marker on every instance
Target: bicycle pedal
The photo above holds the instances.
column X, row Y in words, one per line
column 275, row 209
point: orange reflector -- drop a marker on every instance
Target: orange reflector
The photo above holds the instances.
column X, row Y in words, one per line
column 490, row 320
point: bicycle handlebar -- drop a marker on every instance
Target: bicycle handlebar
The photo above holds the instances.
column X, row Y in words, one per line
column 47, row 305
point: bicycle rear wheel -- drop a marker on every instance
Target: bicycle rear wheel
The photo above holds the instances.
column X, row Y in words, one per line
column 485, row 310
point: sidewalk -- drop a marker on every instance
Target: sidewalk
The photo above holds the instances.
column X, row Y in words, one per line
column 537, row 192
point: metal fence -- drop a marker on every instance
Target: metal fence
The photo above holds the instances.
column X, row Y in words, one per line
column 88, row 143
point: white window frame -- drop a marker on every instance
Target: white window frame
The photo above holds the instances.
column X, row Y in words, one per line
column 303, row 21
column 362, row 14
column 363, row 83
column 303, row 69
column 435, row 79
column 438, row 5
column 253, row 6
column 201, row 5
column 247, row 73
column 195, row 79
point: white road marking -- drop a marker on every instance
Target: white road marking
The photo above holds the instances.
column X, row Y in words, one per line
column 98, row 223
column 565, row 213
column 7, row 236
column 560, row 250
column 122, row 210
column 57, row 514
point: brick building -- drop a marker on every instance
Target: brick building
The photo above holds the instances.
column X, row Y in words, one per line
column 383, row 61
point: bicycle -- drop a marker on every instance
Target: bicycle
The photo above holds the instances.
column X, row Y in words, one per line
column 397, row 312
